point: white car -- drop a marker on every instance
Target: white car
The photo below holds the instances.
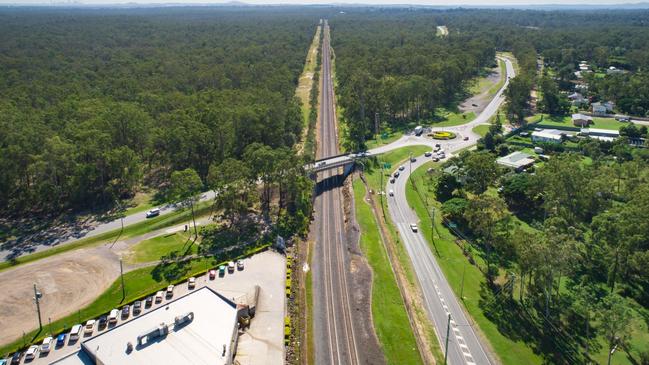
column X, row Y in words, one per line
column 112, row 316
column 391, row 192
column 158, row 296
column 46, row 346
column 170, row 291
column 89, row 327
column 231, row 266
column 153, row 213
column 31, row 352
column 414, row 227
column 191, row 283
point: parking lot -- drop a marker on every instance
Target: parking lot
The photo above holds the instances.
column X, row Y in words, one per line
column 261, row 343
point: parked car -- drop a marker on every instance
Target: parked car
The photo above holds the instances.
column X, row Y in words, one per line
column 221, row 270
column 392, row 180
column 60, row 340
column 103, row 322
column 170, row 291
column 437, row 145
column 46, row 346
column 191, row 283
column 239, row 265
column 148, row 302
column 428, row 154
column 212, row 274
column 466, row 138
column 112, row 316
column 89, row 327
column 153, row 213
column 401, row 168
column 137, row 307
column 414, row 227
column 231, row 266
column 158, row 296
column 435, row 159
column 75, row 332
column 126, row 311
column 391, row 192
column 15, row 360
column 31, row 352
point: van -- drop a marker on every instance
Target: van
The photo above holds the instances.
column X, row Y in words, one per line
column 112, row 316
column 75, row 332
column 153, row 213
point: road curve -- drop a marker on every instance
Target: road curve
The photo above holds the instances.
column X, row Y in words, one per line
column 464, row 346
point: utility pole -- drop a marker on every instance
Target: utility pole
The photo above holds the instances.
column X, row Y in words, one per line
column 432, row 225
column 462, row 285
column 376, row 126
column 37, row 297
column 448, row 331
column 121, row 274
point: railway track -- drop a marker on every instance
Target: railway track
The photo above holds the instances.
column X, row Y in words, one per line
column 335, row 340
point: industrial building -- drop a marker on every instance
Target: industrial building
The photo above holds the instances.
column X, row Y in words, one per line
column 198, row 328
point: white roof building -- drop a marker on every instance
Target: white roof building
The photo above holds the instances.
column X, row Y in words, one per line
column 548, row 135
column 516, row 160
column 198, row 328
column 601, row 134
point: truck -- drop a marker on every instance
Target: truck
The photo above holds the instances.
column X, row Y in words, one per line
column 419, row 130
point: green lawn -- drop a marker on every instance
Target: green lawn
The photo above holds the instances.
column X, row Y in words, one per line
column 566, row 121
column 450, row 119
column 153, row 249
column 388, row 312
column 140, row 203
column 133, row 230
column 303, row 89
column 481, row 129
column 393, row 158
column 392, row 136
column 454, row 265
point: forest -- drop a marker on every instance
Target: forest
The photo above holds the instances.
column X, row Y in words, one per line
column 95, row 104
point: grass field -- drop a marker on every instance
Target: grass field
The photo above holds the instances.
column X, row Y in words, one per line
column 451, row 119
column 481, row 129
column 133, row 230
column 155, row 248
column 455, row 265
column 566, row 121
column 303, row 90
column 503, row 74
column 388, row 311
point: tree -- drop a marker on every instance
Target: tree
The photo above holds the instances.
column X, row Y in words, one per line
column 234, row 188
column 481, row 171
column 185, row 188
column 446, row 186
column 615, row 318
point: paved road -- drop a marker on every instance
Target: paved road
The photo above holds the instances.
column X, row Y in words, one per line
column 464, row 345
column 334, row 337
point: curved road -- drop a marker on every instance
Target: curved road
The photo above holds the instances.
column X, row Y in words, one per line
column 464, row 346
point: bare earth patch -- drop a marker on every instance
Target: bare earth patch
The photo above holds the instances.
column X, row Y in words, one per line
column 67, row 281
column 482, row 99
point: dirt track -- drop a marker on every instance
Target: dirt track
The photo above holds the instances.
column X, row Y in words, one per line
column 68, row 281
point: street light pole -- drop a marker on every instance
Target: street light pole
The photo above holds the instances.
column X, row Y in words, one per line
column 37, row 297
column 462, row 285
column 448, row 331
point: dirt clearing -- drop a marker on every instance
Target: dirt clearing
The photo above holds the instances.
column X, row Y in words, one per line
column 67, row 281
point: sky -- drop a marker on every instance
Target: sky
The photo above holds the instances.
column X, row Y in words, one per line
column 377, row 2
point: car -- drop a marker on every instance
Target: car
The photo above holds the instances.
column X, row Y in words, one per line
column 191, row 283
column 466, row 138
column 435, row 159
column 212, row 274
column 414, row 227
column 438, row 145
column 158, row 296
column 31, row 352
column 437, row 148
column 153, row 213
column 412, row 159
column 401, row 168
column 396, row 174
column 75, row 332
column 89, row 327
column 60, row 339
column 392, row 180
column 148, row 302
column 428, row 154
column 239, row 265
column 391, row 192
column 221, row 270
column 231, row 266
column 102, row 322
column 46, row 346
column 170, row 291
column 137, row 307
column 126, row 311
column 112, row 316
column 16, row 358
column 474, row 105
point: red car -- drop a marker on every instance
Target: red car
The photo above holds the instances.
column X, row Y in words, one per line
column 212, row 274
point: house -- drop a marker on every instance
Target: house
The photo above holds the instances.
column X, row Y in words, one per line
column 516, row 160
column 602, row 108
column 581, row 120
column 608, row 135
column 548, row 136
column 577, row 99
